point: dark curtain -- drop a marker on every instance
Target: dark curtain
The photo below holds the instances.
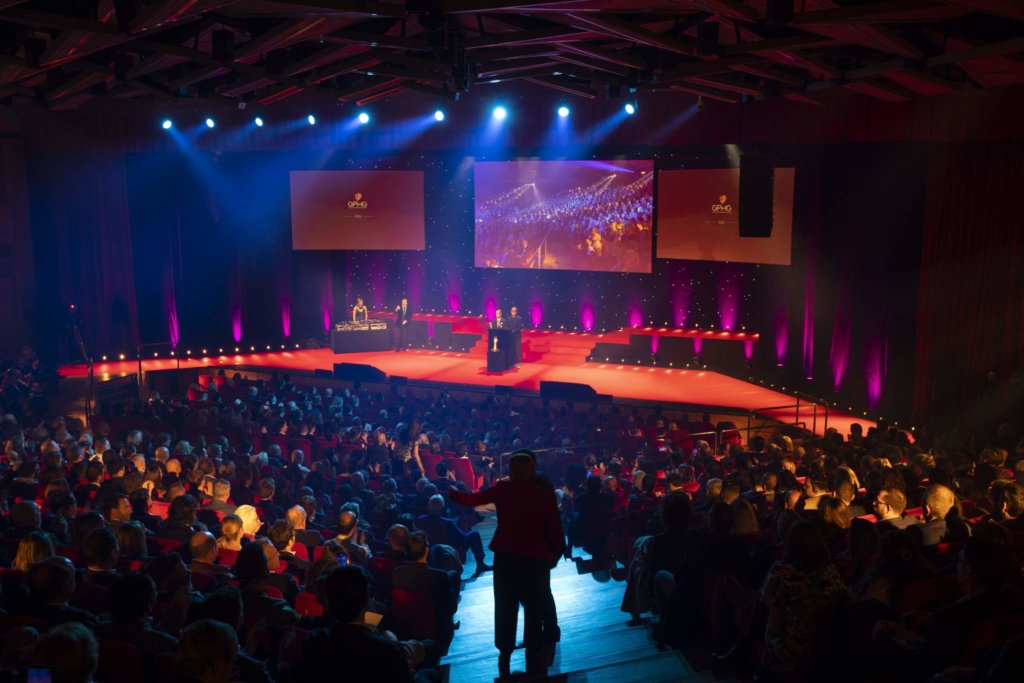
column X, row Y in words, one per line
column 80, row 216
column 971, row 301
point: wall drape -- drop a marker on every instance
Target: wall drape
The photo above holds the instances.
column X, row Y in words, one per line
column 971, row 292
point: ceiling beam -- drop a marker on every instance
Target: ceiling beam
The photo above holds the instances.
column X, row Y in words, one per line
column 703, row 92
column 991, row 50
column 526, row 37
column 431, row 90
column 605, row 55
column 564, row 86
column 376, row 40
column 589, row 63
column 770, row 73
column 490, row 70
column 878, row 12
column 512, row 53
column 729, row 85
column 367, row 7
column 632, row 32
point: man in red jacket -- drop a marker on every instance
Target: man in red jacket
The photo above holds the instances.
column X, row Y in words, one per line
column 527, row 544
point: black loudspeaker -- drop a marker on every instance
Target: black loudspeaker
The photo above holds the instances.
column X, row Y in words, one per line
column 354, row 372
column 399, row 381
column 502, row 390
column 567, row 391
column 707, row 38
column 778, row 12
column 757, row 187
column 323, row 374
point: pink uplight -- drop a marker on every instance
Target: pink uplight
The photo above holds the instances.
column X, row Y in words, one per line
column 236, row 324
column 536, row 313
column 636, row 316
column 587, row 317
column 698, row 343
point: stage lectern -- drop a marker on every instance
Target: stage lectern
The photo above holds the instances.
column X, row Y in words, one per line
column 502, row 349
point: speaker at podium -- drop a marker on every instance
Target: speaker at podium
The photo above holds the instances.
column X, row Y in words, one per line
column 503, row 349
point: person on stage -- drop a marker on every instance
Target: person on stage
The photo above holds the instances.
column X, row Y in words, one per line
column 359, row 312
column 527, row 544
column 516, row 324
column 499, row 322
column 403, row 316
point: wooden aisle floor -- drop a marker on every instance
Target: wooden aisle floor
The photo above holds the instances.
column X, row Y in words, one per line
column 598, row 644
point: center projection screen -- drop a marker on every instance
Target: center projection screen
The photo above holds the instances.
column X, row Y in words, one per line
column 357, row 210
column 564, row 215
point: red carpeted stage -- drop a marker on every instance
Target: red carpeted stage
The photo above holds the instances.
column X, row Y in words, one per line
column 548, row 355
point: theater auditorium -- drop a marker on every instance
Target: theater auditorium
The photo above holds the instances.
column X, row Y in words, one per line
column 453, row 341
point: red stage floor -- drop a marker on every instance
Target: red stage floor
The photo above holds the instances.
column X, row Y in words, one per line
column 560, row 356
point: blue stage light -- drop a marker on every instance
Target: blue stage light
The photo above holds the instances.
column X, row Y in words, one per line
column 500, row 113
column 563, row 111
column 439, row 115
column 311, row 119
column 167, row 124
column 258, row 121
column 210, row 123
column 364, row 117
column 630, row 108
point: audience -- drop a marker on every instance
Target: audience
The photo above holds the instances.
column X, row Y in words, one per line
column 764, row 553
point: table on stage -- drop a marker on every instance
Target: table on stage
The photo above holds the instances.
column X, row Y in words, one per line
column 371, row 335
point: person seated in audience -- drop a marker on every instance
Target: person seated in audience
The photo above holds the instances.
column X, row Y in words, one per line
column 114, row 484
column 282, row 535
column 663, row 552
column 350, row 649
column 180, row 524
column 131, row 542
column 132, row 601
column 267, row 504
column 847, row 493
column 231, row 533
column 207, row 651
column 889, row 505
column 116, row 510
column 23, row 520
column 443, row 530
column 68, row 651
column 815, row 491
column 51, row 583
column 397, row 537
column 63, row 509
column 350, row 537
column 261, row 611
column 985, row 572
column 219, row 502
column 207, row 574
column 296, row 516
column 935, row 529
column 899, row 562
column 85, row 492
column 797, row 594
column 251, row 522
column 24, row 484
column 314, row 516
column 1012, row 508
column 32, row 550
column 417, row 576
column 100, row 553
column 141, row 500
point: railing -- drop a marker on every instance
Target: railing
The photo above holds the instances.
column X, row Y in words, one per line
column 539, row 254
column 814, row 405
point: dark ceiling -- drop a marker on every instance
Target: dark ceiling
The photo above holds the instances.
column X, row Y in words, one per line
column 64, row 53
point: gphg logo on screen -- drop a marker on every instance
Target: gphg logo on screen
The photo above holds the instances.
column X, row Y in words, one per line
column 722, row 206
column 358, row 202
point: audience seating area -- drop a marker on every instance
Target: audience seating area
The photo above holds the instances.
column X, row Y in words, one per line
column 236, row 502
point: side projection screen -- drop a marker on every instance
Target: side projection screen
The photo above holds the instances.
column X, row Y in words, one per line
column 699, row 218
column 357, row 210
column 564, row 215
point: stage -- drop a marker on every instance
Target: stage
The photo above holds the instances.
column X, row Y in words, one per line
column 548, row 355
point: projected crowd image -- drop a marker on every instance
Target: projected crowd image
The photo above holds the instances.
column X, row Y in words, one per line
column 564, row 215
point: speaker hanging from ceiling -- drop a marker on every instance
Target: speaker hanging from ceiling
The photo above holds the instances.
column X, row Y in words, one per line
column 757, row 189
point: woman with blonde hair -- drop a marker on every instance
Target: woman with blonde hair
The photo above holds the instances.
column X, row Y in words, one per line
column 230, row 533
column 32, row 550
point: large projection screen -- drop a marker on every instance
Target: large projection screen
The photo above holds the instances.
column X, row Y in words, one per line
column 698, row 218
column 564, row 215
column 357, row 210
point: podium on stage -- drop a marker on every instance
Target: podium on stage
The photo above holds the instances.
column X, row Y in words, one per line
column 503, row 349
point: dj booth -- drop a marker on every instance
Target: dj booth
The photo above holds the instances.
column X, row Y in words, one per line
column 370, row 335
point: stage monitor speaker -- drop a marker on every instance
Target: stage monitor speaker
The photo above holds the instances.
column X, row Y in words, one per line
column 398, row 380
column 567, row 391
column 757, row 189
column 502, row 390
column 355, row 372
column 323, row 374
